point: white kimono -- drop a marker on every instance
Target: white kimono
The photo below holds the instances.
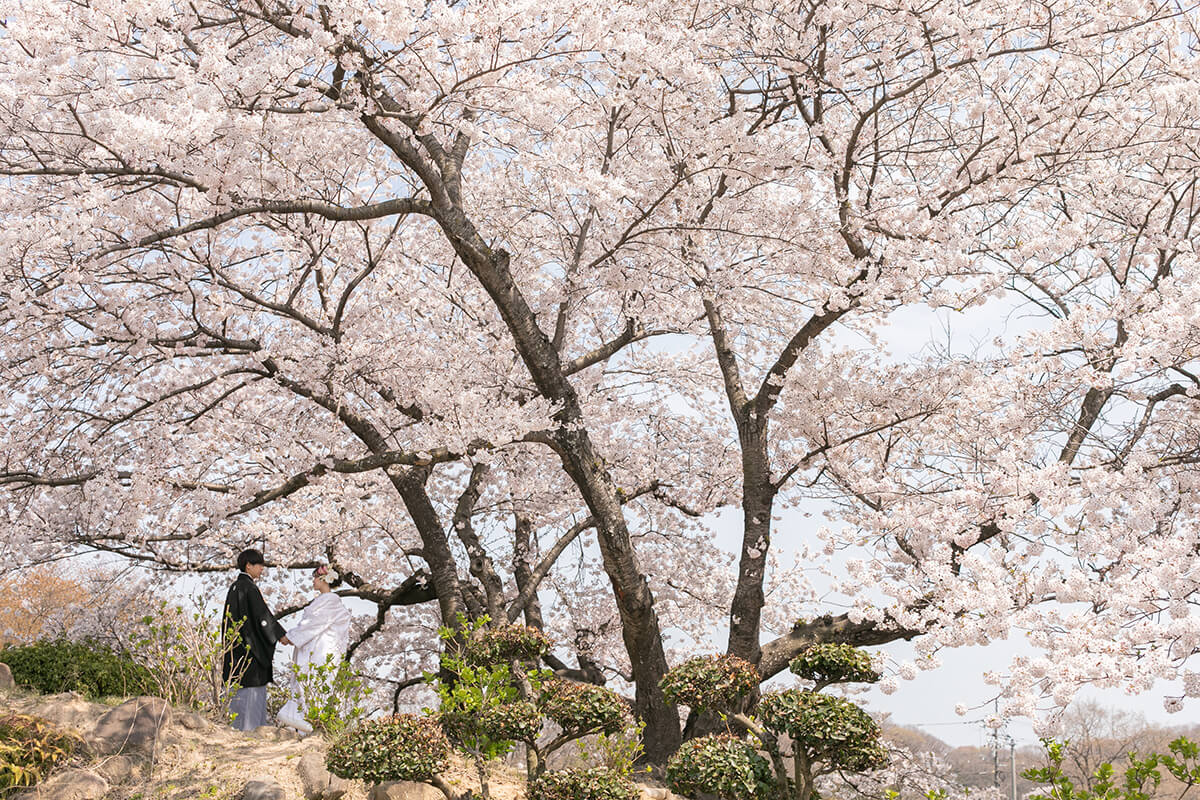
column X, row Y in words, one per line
column 324, row 630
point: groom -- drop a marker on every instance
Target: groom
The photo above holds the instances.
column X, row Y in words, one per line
column 248, row 657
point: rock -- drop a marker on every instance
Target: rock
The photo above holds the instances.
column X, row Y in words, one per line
column 262, row 790
column 319, row 783
column 6, row 678
column 67, row 710
column 74, row 784
column 192, row 721
column 657, row 793
column 117, row 769
column 405, row 790
column 133, row 726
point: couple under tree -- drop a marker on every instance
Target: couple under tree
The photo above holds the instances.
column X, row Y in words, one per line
column 323, row 631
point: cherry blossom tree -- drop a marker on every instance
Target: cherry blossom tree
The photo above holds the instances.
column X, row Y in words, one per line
column 482, row 301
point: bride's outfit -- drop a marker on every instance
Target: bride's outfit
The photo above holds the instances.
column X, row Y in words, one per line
column 324, row 630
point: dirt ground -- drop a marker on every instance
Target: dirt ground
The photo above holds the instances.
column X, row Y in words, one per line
column 199, row 758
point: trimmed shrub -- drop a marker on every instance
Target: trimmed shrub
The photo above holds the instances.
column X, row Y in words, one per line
column 713, row 682
column 723, row 765
column 834, row 663
column 582, row 709
column 490, row 646
column 88, row 667
column 846, row 734
column 29, row 749
column 515, row 721
column 583, row 784
column 405, row 747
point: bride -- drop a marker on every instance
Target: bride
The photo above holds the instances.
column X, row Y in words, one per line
column 323, row 631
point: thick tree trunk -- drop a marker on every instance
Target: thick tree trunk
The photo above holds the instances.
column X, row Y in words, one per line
column 635, row 603
column 758, row 497
column 435, row 547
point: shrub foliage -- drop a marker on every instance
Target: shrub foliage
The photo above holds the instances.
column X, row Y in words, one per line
column 582, row 784
column 722, row 764
column 834, row 663
column 582, row 709
column 845, row 733
column 715, row 682
column 405, row 747
column 88, row 667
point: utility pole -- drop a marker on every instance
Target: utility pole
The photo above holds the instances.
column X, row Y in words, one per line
column 1012, row 763
column 996, row 750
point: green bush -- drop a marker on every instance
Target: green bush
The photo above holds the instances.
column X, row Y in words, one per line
column 834, row 663
column 486, row 646
column 88, row 667
column 723, row 765
column 513, row 721
column 405, row 747
column 583, row 784
column 846, row 734
column 29, row 749
column 582, row 708
column 715, row 682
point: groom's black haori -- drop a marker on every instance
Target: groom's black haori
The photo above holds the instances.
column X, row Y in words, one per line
column 248, row 657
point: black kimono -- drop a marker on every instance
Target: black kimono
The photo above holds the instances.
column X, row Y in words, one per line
column 248, row 661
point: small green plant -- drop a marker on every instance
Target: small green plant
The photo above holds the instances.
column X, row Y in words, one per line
column 331, row 694
column 1139, row 781
column 582, row 784
column 89, row 667
column 823, row 733
column 183, row 648
column 617, row 752
column 29, row 749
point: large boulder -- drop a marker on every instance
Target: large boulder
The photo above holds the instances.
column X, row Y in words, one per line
column 263, row 790
column 74, row 784
column 319, row 783
column 6, row 678
column 132, row 727
column 405, row 790
column 66, row 710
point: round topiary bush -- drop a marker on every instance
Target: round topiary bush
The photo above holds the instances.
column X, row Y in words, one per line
column 582, row 784
column 89, row 667
column 723, row 765
column 846, row 734
column 405, row 747
column 489, row 646
column 835, row 663
column 582, row 708
column 515, row 721
column 713, row 682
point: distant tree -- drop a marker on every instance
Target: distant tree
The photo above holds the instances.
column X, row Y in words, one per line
column 40, row 602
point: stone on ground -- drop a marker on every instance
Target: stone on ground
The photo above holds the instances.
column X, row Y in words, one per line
column 117, row 769
column 263, row 790
column 132, row 727
column 319, row 783
column 67, row 710
column 74, row 784
column 6, row 678
column 405, row 790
